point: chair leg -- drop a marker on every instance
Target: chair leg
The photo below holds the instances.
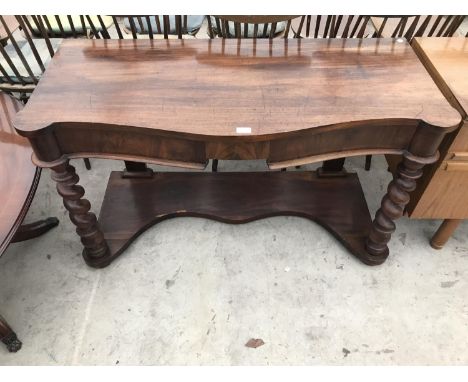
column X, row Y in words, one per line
column 214, row 165
column 444, row 233
column 87, row 163
column 33, row 230
column 368, row 162
column 9, row 337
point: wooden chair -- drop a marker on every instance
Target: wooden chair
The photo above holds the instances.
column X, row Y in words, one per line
column 416, row 26
column 162, row 25
column 41, row 31
column 18, row 182
column 247, row 27
column 23, row 61
column 151, row 26
column 12, row 24
column 331, row 26
column 66, row 26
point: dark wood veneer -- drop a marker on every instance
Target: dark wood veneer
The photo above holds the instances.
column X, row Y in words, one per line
column 182, row 102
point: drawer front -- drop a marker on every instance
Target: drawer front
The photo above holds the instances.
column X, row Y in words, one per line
column 446, row 194
column 459, row 146
column 457, row 161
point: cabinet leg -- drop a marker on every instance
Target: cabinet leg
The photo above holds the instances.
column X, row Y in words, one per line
column 445, row 231
column 393, row 205
column 96, row 251
column 9, row 337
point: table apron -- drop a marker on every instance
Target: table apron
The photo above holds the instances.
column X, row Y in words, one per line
column 144, row 145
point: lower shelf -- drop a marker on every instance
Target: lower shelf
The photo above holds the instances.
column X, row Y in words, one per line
column 132, row 205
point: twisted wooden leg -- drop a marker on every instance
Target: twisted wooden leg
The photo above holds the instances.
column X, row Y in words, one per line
column 9, row 337
column 96, row 251
column 393, row 205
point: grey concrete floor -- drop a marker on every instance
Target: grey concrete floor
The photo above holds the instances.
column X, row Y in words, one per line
column 191, row 291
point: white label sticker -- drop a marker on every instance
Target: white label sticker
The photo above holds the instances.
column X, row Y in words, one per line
column 243, row 130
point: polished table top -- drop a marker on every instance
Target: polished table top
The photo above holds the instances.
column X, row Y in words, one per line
column 447, row 57
column 234, row 88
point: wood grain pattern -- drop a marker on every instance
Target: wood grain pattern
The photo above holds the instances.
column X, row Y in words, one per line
column 280, row 86
column 442, row 193
column 447, row 60
column 292, row 99
column 131, row 206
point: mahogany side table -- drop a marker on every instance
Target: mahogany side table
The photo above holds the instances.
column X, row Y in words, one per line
column 182, row 102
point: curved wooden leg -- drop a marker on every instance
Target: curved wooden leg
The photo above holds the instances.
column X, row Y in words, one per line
column 96, row 251
column 9, row 337
column 393, row 206
column 445, row 231
column 33, row 230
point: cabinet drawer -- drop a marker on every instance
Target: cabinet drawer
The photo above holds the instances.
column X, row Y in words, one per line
column 456, row 162
column 460, row 143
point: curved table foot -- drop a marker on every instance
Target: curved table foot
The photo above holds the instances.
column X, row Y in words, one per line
column 9, row 337
column 33, row 230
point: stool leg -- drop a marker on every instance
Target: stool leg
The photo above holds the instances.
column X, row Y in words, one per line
column 445, row 231
column 9, row 337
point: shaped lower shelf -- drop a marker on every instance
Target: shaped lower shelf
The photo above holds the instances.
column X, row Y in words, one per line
column 132, row 205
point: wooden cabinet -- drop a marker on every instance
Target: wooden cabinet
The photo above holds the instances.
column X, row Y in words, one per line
column 443, row 190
